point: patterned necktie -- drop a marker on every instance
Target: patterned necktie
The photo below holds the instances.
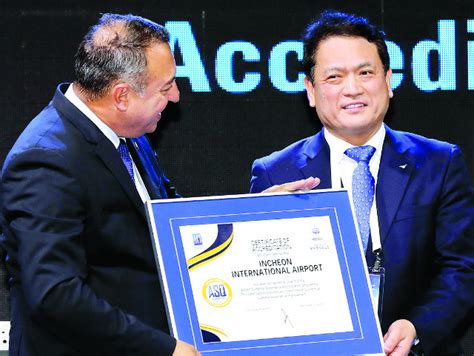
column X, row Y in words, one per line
column 127, row 160
column 362, row 188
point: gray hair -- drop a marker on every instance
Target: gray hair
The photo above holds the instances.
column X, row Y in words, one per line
column 114, row 49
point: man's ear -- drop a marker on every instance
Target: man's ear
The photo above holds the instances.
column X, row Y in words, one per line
column 121, row 96
column 309, row 91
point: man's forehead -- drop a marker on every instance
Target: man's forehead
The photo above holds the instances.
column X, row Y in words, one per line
column 336, row 49
column 159, row 54
column 158, row 48
column 337, row 40
column 160, row 63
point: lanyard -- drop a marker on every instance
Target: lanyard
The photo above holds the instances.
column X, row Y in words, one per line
column 377, row 280
column 378, row 260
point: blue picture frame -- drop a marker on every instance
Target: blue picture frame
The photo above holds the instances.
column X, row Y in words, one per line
column 167, row 216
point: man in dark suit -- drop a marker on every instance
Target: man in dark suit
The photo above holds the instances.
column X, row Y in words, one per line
column 83, row 275
column 421, row 218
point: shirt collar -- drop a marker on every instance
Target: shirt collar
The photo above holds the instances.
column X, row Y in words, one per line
column 339, row 146
column 78, row 103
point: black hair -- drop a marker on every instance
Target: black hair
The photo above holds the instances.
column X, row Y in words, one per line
column 332, row 23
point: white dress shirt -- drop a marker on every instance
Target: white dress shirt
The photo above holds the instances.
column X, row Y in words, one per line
column 342, row 168
column 110, row 134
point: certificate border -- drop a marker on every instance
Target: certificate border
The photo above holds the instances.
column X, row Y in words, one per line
column 184, row 325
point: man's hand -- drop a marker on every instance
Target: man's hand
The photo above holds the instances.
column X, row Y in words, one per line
column 299, row 185
column 399, row 338
column 184, row 349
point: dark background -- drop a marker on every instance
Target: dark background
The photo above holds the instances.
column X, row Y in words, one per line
column 208, row 141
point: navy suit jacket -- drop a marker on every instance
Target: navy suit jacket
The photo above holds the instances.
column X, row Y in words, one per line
column 425, row 205
column 83, row 275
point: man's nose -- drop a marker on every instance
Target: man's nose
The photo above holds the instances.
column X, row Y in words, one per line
column 352, row 86
column 174, row 93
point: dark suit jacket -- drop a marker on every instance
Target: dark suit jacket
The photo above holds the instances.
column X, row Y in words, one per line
column 425, row 205
column 83, row 275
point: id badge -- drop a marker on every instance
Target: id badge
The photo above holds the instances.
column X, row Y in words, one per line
column 377, row 280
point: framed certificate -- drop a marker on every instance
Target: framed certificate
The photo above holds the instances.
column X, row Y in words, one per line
column 265, row 274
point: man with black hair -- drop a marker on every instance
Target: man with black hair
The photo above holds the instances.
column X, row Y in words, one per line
column 83, row 275
column 412, row 196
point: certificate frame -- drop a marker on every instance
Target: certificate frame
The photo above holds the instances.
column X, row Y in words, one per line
column 167, row 217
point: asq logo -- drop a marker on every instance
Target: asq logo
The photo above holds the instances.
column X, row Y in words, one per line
column 217, row 292
column 197, row 239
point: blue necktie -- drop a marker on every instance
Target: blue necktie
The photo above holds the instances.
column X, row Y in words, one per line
column 362, row 189
column 126, row 158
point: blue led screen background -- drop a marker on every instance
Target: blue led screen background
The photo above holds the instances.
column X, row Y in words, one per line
column 239, row 75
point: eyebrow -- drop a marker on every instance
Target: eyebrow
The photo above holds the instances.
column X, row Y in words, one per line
column 168, row 82
column 335, row 68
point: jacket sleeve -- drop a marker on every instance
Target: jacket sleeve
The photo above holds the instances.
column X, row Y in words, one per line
column 450, row 295
column 45, row 215
column 260, row 178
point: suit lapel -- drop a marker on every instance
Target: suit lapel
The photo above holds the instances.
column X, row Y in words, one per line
column 111, row 159
column 147, row 164
column 315, row 160
column 396, row 168
column 104, row 148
